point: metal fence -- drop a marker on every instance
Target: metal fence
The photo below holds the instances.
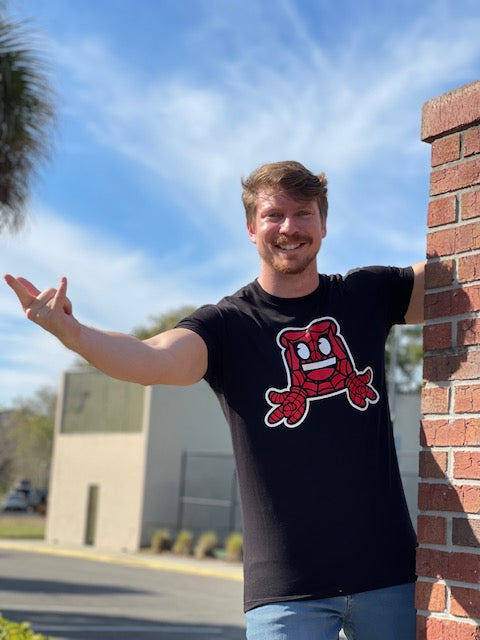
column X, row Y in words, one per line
column 208, row 493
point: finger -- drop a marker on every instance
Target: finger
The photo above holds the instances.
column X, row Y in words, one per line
column 21, row 291
column 60, row 301
column 31, row 288
column 39, row 308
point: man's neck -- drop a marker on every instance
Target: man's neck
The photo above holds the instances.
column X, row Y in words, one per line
column 285, row 285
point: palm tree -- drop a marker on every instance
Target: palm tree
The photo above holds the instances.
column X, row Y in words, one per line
column 26, row 114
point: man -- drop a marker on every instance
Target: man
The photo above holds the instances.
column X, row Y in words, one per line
column 297, row 362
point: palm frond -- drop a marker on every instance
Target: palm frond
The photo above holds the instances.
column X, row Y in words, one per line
column 26, row 115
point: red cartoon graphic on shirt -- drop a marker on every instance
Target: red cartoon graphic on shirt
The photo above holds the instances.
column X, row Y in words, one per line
column 319, row 364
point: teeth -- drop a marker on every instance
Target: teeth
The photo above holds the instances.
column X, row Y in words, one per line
column 288, row 247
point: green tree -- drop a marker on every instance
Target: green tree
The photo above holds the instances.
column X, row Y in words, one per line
column 26, row 115
column 30, row 436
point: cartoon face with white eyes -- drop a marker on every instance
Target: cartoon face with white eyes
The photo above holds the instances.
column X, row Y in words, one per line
column 319, row 364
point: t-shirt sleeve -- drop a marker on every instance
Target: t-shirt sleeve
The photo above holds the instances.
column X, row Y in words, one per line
column 400, row 290
column 389, row 288
column 206, row 321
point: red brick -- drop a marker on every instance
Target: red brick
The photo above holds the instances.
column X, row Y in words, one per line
column 432, row 464
column 430, row 596
column 454, row 240
column 463, row 175
column 442, row 211
column 431, row 529
column 462, row 366
column 446, row 565
column 472, row 431
column 435, row 399
column 444, row 433
column 470, row 303
column 470, row 204
column 451, row 111
column 467, row 237
column 468, row 332
column 432, row 628
column 467, row 398
column 439, row 274
column 447, row 497
column 441, row 243
column 466, row 464
column 437, row 336
column 465, row 532
column 453, row 302
column 446, row 149
column 469, row 268
column 471, row 141
column 464, row 602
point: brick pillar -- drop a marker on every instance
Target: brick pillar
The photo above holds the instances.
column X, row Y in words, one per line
column 448, row 560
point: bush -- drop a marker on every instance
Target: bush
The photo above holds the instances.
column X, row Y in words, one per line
column 183, row 543
column 18, row 631
column 206, row 544
column 161, row 541
column 234, row 547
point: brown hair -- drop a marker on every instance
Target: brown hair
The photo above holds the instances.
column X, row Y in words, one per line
column 290, row 176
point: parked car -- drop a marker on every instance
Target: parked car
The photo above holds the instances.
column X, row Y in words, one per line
column 15, row 501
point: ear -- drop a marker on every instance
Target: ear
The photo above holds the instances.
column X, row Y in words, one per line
column 324, row 228
column 251, row 232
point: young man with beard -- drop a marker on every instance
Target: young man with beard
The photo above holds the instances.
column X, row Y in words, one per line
column 296, row 359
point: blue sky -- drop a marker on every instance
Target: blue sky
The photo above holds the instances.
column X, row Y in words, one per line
column 165, row 104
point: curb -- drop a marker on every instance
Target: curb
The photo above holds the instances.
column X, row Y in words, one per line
column 214, row 568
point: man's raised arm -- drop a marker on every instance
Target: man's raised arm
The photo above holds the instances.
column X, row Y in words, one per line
column 415, row 311
column 176, row 357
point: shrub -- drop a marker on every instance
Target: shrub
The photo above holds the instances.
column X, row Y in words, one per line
column 18, row 631
column 161, row 541
column 234, row 547
column 183, row 543
column 206, row 544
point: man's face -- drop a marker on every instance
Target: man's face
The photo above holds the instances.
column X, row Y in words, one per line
column 288, row 233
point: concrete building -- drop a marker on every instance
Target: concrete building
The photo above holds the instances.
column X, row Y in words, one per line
column 119, row 467
column 130, row 459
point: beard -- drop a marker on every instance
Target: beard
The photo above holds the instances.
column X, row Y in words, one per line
column 281, row 264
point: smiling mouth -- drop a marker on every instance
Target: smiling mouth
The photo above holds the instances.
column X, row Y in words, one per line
column 322, row 364
column 285, row 243
column 289, row 247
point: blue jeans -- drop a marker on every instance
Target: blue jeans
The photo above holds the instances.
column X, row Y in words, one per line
column 382, row 614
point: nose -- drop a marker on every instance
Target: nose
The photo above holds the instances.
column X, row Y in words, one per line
column 288, row 225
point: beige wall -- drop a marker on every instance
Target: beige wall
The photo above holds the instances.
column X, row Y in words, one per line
column 180, row 418
column 138, row 474
column 115, row 463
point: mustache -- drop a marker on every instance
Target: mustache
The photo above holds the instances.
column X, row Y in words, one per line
column 294, row 238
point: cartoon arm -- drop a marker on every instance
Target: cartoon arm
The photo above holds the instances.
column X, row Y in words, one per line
column 292, row 406
column 359, row 389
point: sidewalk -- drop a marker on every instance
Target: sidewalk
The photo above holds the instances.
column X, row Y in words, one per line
column 208, row 567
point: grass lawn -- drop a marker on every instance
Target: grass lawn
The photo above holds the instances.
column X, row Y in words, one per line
column 22, row 526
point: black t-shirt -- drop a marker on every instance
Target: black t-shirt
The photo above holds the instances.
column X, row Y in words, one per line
column 302, row 384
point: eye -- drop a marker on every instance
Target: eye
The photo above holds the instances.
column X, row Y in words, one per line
column 303, row 351
column 324, row 346
column 272, row 215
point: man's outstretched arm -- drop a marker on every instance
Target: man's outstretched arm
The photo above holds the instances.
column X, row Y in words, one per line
column 176, row 357
column 415, row 312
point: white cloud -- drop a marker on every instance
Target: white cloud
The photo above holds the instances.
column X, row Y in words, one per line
column 307, row 104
